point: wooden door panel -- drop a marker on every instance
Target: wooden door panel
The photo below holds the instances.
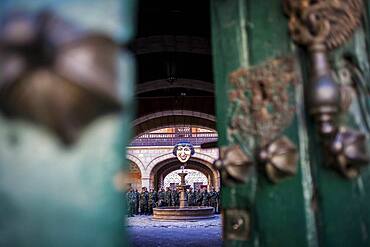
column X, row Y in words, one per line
column 318, row 206
column 247, row 33
column 342, row 211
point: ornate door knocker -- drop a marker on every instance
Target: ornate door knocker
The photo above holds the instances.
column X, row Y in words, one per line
column 322, row 26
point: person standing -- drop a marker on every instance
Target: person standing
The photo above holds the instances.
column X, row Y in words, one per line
column 213, row 197
column 147, row 200
column 144, row 196
column 191, row 197
column 151, row 201
column 137, row 201
column 204, row 196
column 218, row 202
column 155, row 198
column 198, row 198
column 168, row 197
column 127, row 198
column 130, row 202
column 173, row 197
column 161, row 198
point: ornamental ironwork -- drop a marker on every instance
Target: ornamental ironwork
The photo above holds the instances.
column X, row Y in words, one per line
column 322, row 26
column 328, row 22
column 260, row 100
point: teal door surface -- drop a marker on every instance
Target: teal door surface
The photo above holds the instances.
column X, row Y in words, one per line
column 292, row 114
column 66, row 87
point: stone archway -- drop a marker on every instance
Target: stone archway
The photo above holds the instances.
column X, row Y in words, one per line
column 136, row 160
column 168, row 118
column 150, row 158
column 163, row 168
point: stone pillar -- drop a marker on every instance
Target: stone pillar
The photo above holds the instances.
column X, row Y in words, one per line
column 209, row 185
column 161, row 181
column 145, row 182
column 218, row 183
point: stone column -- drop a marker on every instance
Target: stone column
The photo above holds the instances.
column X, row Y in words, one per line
column 145, row 182
column 209, row 185
column 161, row 180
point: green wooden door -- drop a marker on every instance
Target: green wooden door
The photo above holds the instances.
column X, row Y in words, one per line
column 66, row 86
column 279, row 188
column 265, row 126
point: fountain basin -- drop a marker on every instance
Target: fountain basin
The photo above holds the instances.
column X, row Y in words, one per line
column 185, row 213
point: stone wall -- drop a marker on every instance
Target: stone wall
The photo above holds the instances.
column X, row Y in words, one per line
column 146, row 159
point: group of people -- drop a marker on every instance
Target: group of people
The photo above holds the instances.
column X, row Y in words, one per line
column 143, row 202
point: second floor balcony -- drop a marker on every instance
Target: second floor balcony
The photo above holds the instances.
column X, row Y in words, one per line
column 171, row 139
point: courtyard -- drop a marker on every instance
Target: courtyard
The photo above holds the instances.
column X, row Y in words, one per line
column 149, row 233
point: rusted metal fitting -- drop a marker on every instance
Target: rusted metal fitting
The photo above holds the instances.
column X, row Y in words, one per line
column 279, row 159
column 237, row 224
column 234, row 165
column 349, row 152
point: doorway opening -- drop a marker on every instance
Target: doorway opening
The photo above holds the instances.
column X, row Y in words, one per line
column 176, row 104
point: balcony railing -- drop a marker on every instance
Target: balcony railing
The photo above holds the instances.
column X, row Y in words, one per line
column 171, row 139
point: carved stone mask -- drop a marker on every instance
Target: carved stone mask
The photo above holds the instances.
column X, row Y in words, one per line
column 183, row 151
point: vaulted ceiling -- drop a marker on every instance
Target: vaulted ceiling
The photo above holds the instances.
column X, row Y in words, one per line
column 174, row 64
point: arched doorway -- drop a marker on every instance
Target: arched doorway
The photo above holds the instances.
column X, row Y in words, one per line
column 195, row 179
column 153, row 150
column 162, row 169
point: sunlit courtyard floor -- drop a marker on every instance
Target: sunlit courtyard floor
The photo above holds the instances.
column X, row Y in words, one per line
column 149, row 233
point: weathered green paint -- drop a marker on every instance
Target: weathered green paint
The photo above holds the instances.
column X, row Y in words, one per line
column 288, row 202
column 229, row 20
column 317, row 207
column 281, row 214
column 343, row 205
column 230, row 51
column 53, row 195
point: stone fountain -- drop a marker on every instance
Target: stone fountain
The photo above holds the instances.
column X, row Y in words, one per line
column 183, row 151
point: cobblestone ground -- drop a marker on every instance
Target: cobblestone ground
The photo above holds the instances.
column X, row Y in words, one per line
column 145, row 232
